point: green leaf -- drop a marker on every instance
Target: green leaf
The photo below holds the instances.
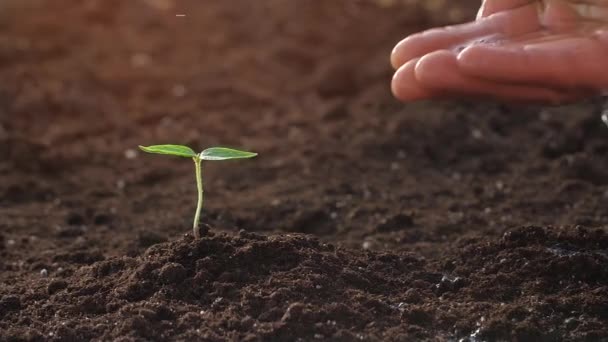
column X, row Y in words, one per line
column 173, row 150
column 223, row 153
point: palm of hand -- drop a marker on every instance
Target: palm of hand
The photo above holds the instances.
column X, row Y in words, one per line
column 550, row 51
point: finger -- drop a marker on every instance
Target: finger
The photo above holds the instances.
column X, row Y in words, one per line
column 419, row 44
column 406, row 87
column 490, row 7
column 590, row 10
column 514, row 22
column 565, row 63
column 439, row 73
column 560, row 15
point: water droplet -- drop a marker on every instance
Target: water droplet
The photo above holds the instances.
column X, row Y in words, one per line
column 476, row 134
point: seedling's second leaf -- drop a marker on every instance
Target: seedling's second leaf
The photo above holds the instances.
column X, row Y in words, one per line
column 223, row 153
column 174, row 150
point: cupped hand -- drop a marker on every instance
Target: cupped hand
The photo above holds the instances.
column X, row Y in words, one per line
column 552, row 51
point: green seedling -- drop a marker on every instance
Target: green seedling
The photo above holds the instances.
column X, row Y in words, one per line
column 213, row 153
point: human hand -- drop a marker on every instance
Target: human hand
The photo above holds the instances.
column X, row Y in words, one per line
column 551, row 51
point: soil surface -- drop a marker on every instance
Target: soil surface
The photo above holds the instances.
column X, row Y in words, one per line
column 361, row 219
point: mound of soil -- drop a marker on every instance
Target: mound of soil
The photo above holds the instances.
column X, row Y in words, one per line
column 361, row 219
column 532, row 284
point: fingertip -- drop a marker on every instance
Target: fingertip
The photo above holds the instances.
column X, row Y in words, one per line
column 415, row 46
column 470, row 57
column 440, row 38
column 480, row 60
column 399, row 53
column 405, row 86
column 434, row 67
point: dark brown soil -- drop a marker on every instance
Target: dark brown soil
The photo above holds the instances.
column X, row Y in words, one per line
column 362, row 218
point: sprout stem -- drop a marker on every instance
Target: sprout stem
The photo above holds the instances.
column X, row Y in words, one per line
column 199, row 205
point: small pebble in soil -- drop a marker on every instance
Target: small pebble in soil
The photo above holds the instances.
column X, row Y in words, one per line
column 293, row 312
column 44, row 273
column 571, row 322
column 562, row 251
column 216, row 303
column 448, row 284
column 476, row 134
column 179, row 90
column 500, row 185
column 120, row 184
column 366, row 245
column 400, row 306
column 472, row 337
column 130, row 153
column 140, row 60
